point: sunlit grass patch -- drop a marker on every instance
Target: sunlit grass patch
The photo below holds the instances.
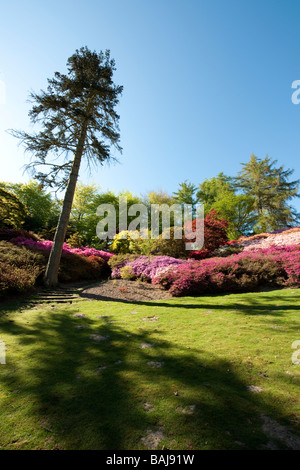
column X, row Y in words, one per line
column 199, row 373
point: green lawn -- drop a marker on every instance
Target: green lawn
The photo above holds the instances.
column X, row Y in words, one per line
column 63, row 388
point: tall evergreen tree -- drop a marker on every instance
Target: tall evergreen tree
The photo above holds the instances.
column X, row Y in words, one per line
column 185, row 193
column 78, row 119
column 271, row 190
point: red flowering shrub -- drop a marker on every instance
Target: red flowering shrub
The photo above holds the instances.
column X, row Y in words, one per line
column 79, row 268
column 214, row 234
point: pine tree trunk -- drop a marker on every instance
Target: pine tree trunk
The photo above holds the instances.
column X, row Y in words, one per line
column 51, row 274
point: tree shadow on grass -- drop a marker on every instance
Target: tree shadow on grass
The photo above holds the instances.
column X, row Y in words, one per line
column 80, row 391
column 247, row 305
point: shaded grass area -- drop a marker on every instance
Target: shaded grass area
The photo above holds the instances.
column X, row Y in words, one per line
column 169, row 374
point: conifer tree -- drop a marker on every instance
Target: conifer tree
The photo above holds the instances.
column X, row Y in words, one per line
column 271, row 190
column 77, row 119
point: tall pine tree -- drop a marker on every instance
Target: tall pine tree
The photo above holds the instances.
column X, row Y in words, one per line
column 271, row 190
column 77, row 118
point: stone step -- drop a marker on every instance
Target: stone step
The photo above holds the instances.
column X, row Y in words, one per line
column 61, row 301
column 46, row 296
column 54, row 299
column 58, row 292
column 67, row 295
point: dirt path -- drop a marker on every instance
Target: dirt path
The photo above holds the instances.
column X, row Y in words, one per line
column 125, row 291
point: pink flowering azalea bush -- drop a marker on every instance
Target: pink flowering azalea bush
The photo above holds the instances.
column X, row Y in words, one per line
column 283, row 237
column 47, row 245
column 286, row 238
column 246, row 271
column 145, row 267
column 23, row 262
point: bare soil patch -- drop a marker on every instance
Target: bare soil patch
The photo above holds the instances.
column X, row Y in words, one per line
column 280, row 433
column 125, row 291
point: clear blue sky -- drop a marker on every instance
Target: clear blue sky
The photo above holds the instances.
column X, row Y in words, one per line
column 206, row 83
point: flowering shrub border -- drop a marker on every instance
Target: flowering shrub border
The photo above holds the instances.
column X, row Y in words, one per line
column 246, row 271
column 147, row 267
column 47, row 245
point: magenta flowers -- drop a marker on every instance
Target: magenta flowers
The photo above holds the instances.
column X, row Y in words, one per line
column 246, row 271
column 146, row 268
column 47, row 245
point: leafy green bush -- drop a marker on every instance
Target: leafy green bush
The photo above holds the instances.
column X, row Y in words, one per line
column 12, row 211
column 133, row 243
column 127, row 272
column 120, row 260
column 170, row 247
column 75, row 241
column 121, row 245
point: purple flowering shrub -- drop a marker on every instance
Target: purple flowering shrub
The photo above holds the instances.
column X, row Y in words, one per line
column 246, row 271
column 146, row 267
column 47, row 245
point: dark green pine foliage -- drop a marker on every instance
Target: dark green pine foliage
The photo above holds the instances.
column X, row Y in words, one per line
column 77, row 118
column 271, row 190
column 185, row 193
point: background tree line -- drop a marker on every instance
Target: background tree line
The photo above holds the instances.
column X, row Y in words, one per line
column 258, row 199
